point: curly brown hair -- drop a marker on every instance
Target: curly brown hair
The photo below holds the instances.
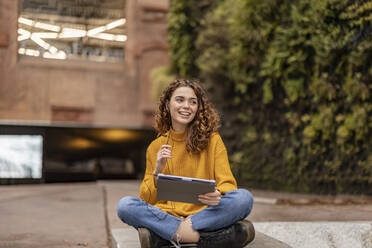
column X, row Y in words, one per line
column 205, row 122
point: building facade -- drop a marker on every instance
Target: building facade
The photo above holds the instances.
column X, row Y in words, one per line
column 76, row 75
column 38, row 90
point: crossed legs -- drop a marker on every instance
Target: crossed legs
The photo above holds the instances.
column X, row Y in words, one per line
column 234, row 206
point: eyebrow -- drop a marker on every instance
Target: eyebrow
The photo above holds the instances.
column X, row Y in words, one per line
column 189, row 98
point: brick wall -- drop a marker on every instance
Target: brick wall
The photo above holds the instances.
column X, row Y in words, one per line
column 51, row 91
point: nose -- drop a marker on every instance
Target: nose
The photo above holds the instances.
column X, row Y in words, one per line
column 186, row 104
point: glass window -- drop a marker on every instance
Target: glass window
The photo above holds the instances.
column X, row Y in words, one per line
column 72, row 29
column 21, row 156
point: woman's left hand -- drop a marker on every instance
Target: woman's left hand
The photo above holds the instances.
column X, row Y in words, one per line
column 212, row 198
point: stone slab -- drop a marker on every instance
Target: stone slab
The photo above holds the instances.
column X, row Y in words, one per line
column 125, row 238
column 128, row 238
column 287, row 234
column 320, row 234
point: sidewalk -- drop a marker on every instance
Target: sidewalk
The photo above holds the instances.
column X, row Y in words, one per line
column 52, row 215
column 84, row 215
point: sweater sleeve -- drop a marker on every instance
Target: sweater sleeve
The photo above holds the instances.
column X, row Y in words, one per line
column 224, row 178
column 147, row 188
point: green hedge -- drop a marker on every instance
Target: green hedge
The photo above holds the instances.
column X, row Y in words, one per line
column 293, row 82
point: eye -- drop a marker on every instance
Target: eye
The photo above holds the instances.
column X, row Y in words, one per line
column 193, row 102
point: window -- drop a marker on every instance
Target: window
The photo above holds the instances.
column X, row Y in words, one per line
column 72, row 29
column 21, row 156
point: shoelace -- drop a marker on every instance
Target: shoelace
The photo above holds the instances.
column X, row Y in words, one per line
column 177, row 245
column 178, row 237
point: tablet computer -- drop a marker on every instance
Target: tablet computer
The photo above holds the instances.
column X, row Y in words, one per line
column 183, row 189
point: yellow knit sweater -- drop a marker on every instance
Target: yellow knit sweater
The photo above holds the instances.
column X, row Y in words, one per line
column 211, row 163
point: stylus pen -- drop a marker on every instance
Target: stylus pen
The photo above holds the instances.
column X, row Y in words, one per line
column 156, row 174
column 168, row 139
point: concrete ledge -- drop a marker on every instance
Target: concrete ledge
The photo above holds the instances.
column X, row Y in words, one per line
column 297, row 199
column 125, row 238
column 128, row 238
column 286, row 235
column 326, row 201
column 320, row 234
column 263, row 241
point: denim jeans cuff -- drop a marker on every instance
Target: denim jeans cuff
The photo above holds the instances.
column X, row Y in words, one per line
column 172, row 224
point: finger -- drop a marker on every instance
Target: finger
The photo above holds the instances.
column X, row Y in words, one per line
column 208, row 198
column 209, row 202
column 213, row 201
column 164, row 152
column 165, row 147
column 212, row 194
column 203, row 197
column 165, row 155
column 204, row 201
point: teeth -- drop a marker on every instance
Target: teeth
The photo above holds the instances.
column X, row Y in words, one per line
column 185, row 113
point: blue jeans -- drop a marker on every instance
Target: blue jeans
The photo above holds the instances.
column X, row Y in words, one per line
column 235, row 205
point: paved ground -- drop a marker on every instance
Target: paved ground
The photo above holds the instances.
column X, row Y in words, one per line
column 84, row 214
column 57, row 215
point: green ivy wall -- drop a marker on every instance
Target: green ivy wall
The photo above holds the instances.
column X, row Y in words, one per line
column 292, row 80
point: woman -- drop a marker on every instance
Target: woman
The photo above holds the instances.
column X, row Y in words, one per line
column 188, row 145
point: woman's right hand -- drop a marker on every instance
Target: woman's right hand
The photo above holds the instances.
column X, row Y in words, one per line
column 161, row 159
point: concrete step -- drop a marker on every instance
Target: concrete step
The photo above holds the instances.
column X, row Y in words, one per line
column 287, row 234
column 128, row 238
column 320, row 234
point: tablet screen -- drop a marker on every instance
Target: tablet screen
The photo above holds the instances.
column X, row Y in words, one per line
column 183, row 189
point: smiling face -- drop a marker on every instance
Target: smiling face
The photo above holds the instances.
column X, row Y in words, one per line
column 183, row 106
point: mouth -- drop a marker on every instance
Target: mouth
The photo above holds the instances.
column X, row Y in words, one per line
column 184, row 114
